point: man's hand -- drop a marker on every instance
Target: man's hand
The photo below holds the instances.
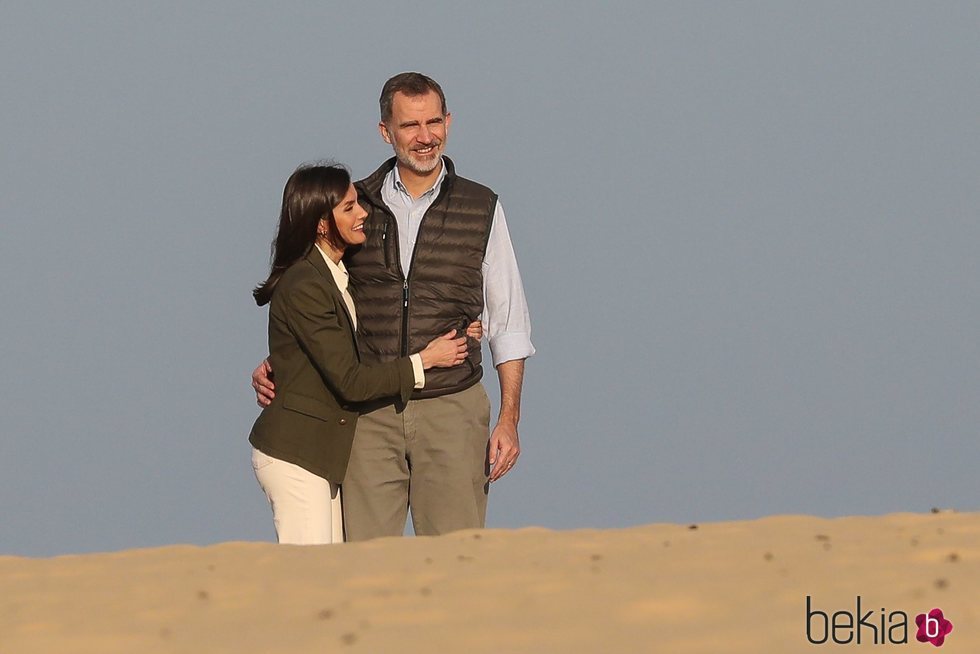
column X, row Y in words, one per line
column 504, row 445
column 504, row 449
column 262, row 383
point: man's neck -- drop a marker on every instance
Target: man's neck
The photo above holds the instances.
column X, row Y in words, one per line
column 416, row 184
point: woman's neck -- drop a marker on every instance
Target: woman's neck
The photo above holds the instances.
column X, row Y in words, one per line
column 330, row 250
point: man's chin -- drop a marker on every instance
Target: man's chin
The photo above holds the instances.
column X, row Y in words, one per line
column 421, row 167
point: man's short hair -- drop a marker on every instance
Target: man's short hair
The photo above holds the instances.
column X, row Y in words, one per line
column 412, row 85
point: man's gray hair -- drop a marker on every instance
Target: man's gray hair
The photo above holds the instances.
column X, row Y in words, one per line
column 411, row 84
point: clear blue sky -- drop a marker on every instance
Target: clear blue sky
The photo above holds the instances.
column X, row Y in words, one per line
column 748, row 233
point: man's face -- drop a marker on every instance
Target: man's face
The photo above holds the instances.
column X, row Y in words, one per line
column 417, row 131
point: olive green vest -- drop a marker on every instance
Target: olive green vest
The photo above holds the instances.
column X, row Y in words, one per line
column 399, row 315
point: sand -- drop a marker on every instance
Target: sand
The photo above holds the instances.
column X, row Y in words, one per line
column 728, row 587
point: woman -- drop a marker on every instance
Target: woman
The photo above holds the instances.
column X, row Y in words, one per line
column 301, row 442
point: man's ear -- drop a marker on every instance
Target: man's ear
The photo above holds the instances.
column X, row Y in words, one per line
column 383, row 130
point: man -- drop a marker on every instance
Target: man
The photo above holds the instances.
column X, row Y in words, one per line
column 437, row 255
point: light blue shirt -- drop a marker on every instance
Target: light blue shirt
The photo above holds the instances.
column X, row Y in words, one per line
column 505, row 317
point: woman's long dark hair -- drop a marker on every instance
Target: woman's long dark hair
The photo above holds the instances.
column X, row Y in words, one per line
column 310, row 195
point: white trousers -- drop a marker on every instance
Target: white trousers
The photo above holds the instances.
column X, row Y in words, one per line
column 306, row 508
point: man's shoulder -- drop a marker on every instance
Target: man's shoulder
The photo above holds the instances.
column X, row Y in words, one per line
column 465, row 184
column 471, row 187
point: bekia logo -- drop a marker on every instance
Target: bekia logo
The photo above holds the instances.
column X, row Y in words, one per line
column 933, row 627
column 878, row 628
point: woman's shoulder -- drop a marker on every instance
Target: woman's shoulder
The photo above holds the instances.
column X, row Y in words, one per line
column 299, row 272
column 301, row 278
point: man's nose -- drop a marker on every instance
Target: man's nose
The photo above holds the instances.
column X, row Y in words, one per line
column 424, row 135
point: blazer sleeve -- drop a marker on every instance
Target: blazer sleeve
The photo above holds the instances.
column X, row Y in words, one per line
column 312, row 315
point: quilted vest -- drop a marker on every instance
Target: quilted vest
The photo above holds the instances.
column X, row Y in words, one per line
column 399, row 315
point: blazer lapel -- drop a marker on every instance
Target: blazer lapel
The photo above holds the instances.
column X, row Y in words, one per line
column 316, row 260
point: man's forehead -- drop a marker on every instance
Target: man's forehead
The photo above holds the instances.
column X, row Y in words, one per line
column 427, row 102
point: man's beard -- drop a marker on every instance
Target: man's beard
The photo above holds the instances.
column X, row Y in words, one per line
column 417, row 165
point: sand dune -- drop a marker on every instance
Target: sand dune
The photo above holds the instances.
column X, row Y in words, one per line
column 721, row 587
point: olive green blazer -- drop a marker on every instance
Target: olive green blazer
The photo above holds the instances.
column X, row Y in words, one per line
column 318, row 374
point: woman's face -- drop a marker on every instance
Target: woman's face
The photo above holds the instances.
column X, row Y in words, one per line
column 349, row 218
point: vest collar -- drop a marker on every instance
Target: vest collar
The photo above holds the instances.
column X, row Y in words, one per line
column 370, row 186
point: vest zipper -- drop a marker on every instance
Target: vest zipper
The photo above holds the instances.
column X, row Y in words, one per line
column 443, row 191
column 446, row 185
column 404, row 317
column 398, row 263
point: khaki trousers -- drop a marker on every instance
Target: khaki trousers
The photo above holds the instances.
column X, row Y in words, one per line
column 431, row 457
column 306, row 508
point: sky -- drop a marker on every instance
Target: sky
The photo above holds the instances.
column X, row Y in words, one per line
column 748, row 234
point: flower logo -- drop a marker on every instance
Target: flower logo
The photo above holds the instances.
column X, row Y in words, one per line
column 933, row 627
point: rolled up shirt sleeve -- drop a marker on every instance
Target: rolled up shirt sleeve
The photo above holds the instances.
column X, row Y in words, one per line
column 505, row 315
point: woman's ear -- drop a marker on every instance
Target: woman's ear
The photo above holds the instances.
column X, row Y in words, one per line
column 323, row 229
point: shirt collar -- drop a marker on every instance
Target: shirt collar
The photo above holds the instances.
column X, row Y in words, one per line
column 338, row 270
column 396, row 181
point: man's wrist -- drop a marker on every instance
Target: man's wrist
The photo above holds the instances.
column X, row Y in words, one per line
column 508, row 419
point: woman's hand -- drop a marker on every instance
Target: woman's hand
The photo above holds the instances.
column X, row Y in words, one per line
column 475, row 330
column 444, row 352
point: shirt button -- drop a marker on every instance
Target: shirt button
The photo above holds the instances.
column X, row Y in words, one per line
column 342, row 421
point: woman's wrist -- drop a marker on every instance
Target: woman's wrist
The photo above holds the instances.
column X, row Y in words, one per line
column 418, row 369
